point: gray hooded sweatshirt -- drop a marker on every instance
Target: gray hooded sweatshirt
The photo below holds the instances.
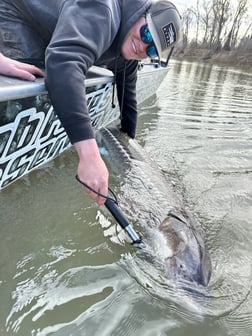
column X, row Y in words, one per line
column 74, row 35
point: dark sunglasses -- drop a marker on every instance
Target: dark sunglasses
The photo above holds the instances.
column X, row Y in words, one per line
column 146, row 37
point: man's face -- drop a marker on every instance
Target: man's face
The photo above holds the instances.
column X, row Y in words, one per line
column 133, row 47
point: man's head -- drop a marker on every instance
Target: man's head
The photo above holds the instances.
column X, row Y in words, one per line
column 154, row 34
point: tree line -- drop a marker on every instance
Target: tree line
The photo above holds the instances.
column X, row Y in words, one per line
column 218, row 25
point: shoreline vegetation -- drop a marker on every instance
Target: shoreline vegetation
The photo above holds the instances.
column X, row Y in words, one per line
column 235, row 58
column 217, row 32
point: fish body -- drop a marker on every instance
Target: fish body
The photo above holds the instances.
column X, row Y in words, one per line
column 175, row 237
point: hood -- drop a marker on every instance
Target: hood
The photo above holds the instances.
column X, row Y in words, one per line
column 131, row 11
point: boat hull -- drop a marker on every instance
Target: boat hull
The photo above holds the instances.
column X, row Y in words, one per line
column 31, row 133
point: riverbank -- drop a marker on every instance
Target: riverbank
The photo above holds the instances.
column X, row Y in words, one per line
column 235, row 58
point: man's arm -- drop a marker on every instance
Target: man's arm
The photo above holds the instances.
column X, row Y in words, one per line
column 12, row 68
column 92, row 169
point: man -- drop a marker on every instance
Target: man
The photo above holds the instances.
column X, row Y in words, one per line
column 68, row 37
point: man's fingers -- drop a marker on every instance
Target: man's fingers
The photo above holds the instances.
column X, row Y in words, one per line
column 103, row 191
column 23, row 74
column 36, row 71
column 28, row 70
column 99, row 196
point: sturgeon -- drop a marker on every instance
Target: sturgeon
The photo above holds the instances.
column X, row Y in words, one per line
column 172, row 233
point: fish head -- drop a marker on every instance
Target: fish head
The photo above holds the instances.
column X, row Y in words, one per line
column 188, row 260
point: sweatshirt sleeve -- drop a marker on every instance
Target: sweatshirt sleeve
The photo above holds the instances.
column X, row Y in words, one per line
column 81, row 36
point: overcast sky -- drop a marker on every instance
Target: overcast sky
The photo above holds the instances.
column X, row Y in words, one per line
column 181, row 4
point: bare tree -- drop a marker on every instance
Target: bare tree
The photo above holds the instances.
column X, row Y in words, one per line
column 205, row 18
column 248, row 31
column 196, row 13
column 217, row 23
column 242, row 8
column 246, row 40
column 221, row 10
column 187, row 22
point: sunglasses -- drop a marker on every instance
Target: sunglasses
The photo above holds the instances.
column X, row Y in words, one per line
column 146, row 37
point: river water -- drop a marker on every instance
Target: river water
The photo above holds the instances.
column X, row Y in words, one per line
column 64, row 270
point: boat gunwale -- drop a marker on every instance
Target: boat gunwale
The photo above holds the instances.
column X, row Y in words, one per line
column 13, row 88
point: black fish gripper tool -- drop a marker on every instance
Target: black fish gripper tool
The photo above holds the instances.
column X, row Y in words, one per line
column 116, row 212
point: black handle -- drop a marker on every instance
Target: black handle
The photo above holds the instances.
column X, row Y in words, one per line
column 118, row 215
column 116, row 212
column 122, row 220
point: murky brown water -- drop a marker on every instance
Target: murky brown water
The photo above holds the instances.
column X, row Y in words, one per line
column 63, row 269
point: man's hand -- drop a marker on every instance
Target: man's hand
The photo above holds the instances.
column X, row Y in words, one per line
column 92, row 169
column 21, row 70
